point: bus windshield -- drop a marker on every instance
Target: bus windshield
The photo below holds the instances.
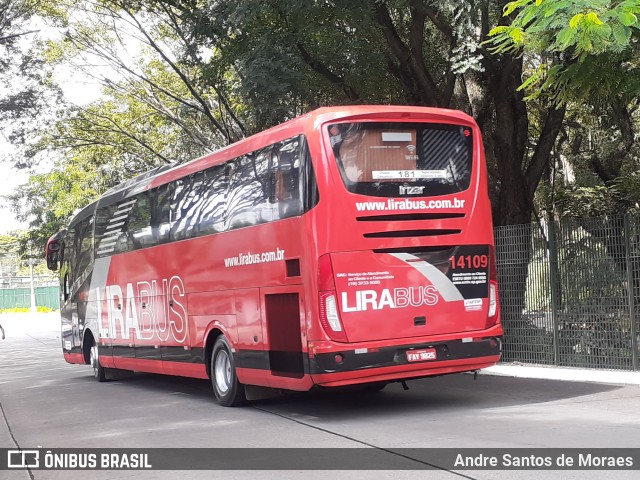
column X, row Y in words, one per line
column 403, row 159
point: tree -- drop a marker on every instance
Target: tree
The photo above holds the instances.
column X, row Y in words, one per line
column 9, row 258
column 584, row 57
column 27, row 93
column 156, row 108
column 141, row 50
column 295, row 57
column 588, row 58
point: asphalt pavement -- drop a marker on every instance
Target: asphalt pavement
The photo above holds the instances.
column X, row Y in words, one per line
column 50, row 404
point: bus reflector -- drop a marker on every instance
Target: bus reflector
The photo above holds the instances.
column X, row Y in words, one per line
column 329, row 318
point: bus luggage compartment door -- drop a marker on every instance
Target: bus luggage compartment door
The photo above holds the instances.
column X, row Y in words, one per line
column 401, row 294
column 284, row 327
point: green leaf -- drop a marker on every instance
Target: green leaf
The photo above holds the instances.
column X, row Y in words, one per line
column 513, row 6
column 592, row 18
column 497, row 30
column 627, row 19
column 575, row 21
column 621, row 34
column 565, row 38
column 517, row 35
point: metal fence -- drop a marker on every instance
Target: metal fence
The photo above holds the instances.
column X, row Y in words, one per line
column 21, row 297
column 570, row 292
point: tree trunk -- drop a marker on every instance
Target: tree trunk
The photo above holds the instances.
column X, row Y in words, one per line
column 517, row 183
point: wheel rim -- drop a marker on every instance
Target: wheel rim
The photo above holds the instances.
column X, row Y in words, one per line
column 223, row 372
column 93, row 358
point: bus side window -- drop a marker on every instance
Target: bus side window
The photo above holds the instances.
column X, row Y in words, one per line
column 309, row 194
column 82, row 254
column 285, row 164
column 212, row 213
column 139, row 232
column 184, row 206
column 160, row 200
column 67, row 257
column 248, row 200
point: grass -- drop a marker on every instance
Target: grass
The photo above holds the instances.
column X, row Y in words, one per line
column 25, row 310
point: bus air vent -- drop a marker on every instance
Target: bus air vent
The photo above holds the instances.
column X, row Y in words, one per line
column 409, row 217
column 413, row 233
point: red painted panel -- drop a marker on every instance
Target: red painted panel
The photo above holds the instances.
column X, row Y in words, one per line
column 77, row 358
column 206, row 323
column 250, row 328
column 380, row 296
column 212, row 303
column 107, row 361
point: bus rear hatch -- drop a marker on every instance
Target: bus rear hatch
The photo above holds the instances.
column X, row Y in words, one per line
column 409, row 294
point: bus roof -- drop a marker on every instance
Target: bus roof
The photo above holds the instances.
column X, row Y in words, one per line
column 167, row 173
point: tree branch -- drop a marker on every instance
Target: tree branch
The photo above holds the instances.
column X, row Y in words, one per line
column 420, row 80
column 323, row 70
column 546, row 141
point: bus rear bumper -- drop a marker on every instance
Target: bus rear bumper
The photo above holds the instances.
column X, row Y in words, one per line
column 401, row 362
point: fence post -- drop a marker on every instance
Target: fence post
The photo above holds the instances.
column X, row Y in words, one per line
column 554, row 280
column 632, row 306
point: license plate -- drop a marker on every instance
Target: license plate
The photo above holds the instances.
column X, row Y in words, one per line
column 421, row 355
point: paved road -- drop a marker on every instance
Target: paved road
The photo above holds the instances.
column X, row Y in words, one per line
column 46, row 402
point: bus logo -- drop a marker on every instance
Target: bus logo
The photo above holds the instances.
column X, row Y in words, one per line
column 363, row 300
column 411, row 190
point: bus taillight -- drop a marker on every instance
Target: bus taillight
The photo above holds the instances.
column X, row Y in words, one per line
column 493, row 299
column 329, row 317
column 493, row 288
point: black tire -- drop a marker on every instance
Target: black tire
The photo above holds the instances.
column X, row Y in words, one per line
column 228, row 390
column 99, row 372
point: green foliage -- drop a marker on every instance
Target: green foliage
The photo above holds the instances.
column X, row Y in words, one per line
column 291, row 58
column 211, row 72
column 16, row 254
column 623, row 196
column 588, row 48
column 27, row 97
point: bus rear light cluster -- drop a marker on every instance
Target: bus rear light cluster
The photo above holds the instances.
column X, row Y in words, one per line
column 329, row 317
column 493, row 299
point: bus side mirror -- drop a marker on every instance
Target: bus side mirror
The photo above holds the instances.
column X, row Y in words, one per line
column 53, row 255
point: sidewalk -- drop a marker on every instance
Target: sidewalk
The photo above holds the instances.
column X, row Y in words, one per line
column 20, row 324
column 550, row 372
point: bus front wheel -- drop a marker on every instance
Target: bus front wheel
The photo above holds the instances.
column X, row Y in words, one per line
column 228, row 390
column 99, row 372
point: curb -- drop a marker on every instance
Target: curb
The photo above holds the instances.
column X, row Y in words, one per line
column 551, row 372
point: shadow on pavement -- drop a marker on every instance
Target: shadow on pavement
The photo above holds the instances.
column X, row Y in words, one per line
column 440, row 394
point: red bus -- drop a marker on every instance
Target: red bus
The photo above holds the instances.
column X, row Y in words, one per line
column 351, row 245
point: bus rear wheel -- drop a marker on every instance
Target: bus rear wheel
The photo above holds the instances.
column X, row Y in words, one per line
column 99, row 372
column 228, row 390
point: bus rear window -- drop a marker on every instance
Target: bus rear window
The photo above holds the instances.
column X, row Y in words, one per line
column 403, row 159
